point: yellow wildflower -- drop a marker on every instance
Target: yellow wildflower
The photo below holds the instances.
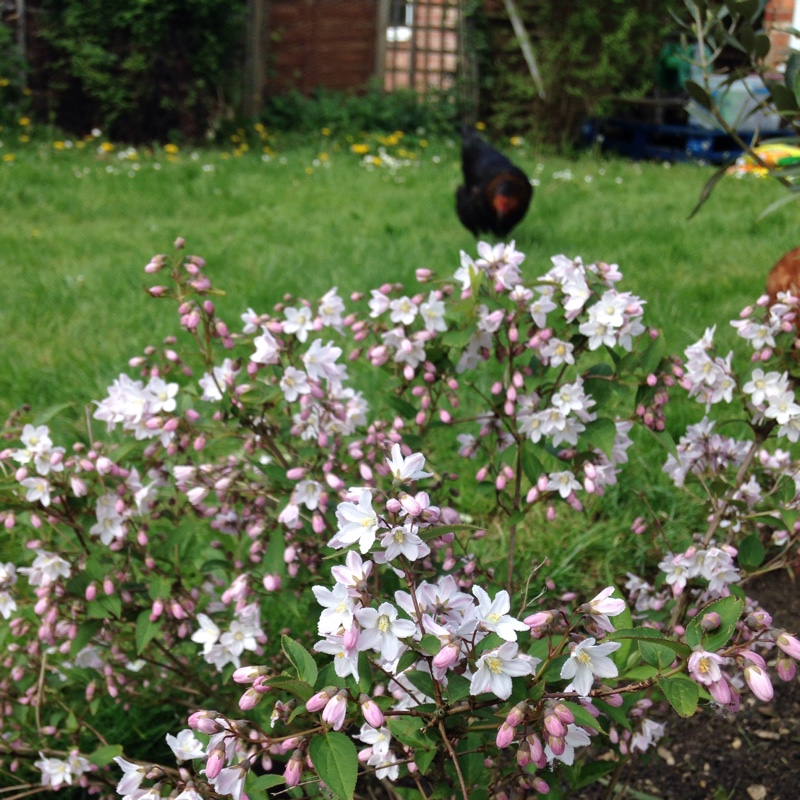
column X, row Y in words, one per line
column 481, row 126
column 24, row 121
column 359, row 149
column 326, row 131
column 172, row 149
column 8, row 157
column 107, row 147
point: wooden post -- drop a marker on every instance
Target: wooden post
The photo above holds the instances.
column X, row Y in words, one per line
column 380, row 42
column 254, row 59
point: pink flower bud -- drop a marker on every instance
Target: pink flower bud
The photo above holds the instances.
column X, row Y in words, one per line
column 505, row 735
column 335, row 711
column 371, row 711
column 517, row 714
column 447, row 656
column 790, row 645
column 249, row 700
column 294, row 769
column 318, row 701
column 215, row 762
column 759, row 682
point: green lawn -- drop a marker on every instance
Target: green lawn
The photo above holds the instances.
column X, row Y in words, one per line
column 79, row 225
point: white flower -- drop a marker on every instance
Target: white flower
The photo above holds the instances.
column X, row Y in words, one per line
column 55, row 772
column 403, row 310
column 432, row 312
column 403, row 540
column 185, row 746
column 267, row 348
column 496, row 669
column 331, row 308
column 231, row 781
column 587, row 661
column 339, row 608
column 493, row 614
column 381, row 630
column 407, row 469
column 214, row 383
column 299, row 321
column 208, row 634
column 345, row 661
column 294, row 383
column 46, row 569
column 377, row 738
column 37, row 489
column 132, row 777
column 604, row 606
column 357, row 523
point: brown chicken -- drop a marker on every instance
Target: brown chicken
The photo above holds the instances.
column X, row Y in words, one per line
column 496, row 193
column 785, row 276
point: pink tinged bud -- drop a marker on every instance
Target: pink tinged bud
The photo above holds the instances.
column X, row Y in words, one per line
column 541, row 483
column 444, row 416
column 557, row 744
column 108, row 586
column 787, row 669
column 481, row 474
column 790, row 645
column 551, row 513
column 204, row 721
column 710, row 621
column 10, row 521
column 517, row 714
column 614, row 700
column 505, row 735
column 318, row 701
column 720, row 691
column 215, row 762
column 563, row 713
column 199, row 443
column 393, row 505
column 554, row 726
column 652, row 380
column 523, row 755
column 350, row 638
column 497, row 387
column 36, row 521
column 192, row 415
column 759, row 682
column 294, row 769
column 248, row 674
column 419, row 419
column 371, row 711
column 365, row 472
column 157, row 291
column 271, row 582
column 21, row 474
column 91, row 592
column 447, row 656
column 541, row 786
column 249, row 699
column 423, row 275
column 335, row 711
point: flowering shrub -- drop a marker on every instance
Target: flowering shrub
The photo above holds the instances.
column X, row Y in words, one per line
column 267, row 561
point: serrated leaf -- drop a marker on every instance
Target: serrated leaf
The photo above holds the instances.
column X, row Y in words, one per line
column 402, row 407
column 408, row 730
column 301, row 660
column 159, row 586
column 729, row 610
column 146, row 631
column 601, row 434
column 470, row 758
column 682, row 694
column 751, row 552
column 336, row 761
column 651, row 635
column 105, row 755
column 293, row 686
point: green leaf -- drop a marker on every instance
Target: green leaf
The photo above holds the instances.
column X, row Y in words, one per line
column 457, row 687
column 699, row 95
column 783, row 97
column 299, row 689
column 601, row 434
column 159, row 586
column 402, row 407
column 422, row 681
column 651, row 635
column 261, row 783
column 751, row 552
column 408, row 730
column 105, row 755
column 531, row 466
column 423, row 759
column 86, row 632
column 681, row 692
column 729, row 610
column 301, row 660
column 591, row 772
column 336, row 762
column 406, row 660
column 146, row 630
column 471, row 762
column 430, row 644
column 582, row 716
column 45, row 416
column 656, row 654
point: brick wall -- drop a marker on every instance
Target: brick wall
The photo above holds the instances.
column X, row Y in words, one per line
column 777, row 18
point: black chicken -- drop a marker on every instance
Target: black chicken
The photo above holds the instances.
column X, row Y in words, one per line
column 495, row 194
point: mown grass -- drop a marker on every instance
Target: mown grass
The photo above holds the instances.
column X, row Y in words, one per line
column 78, row 225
